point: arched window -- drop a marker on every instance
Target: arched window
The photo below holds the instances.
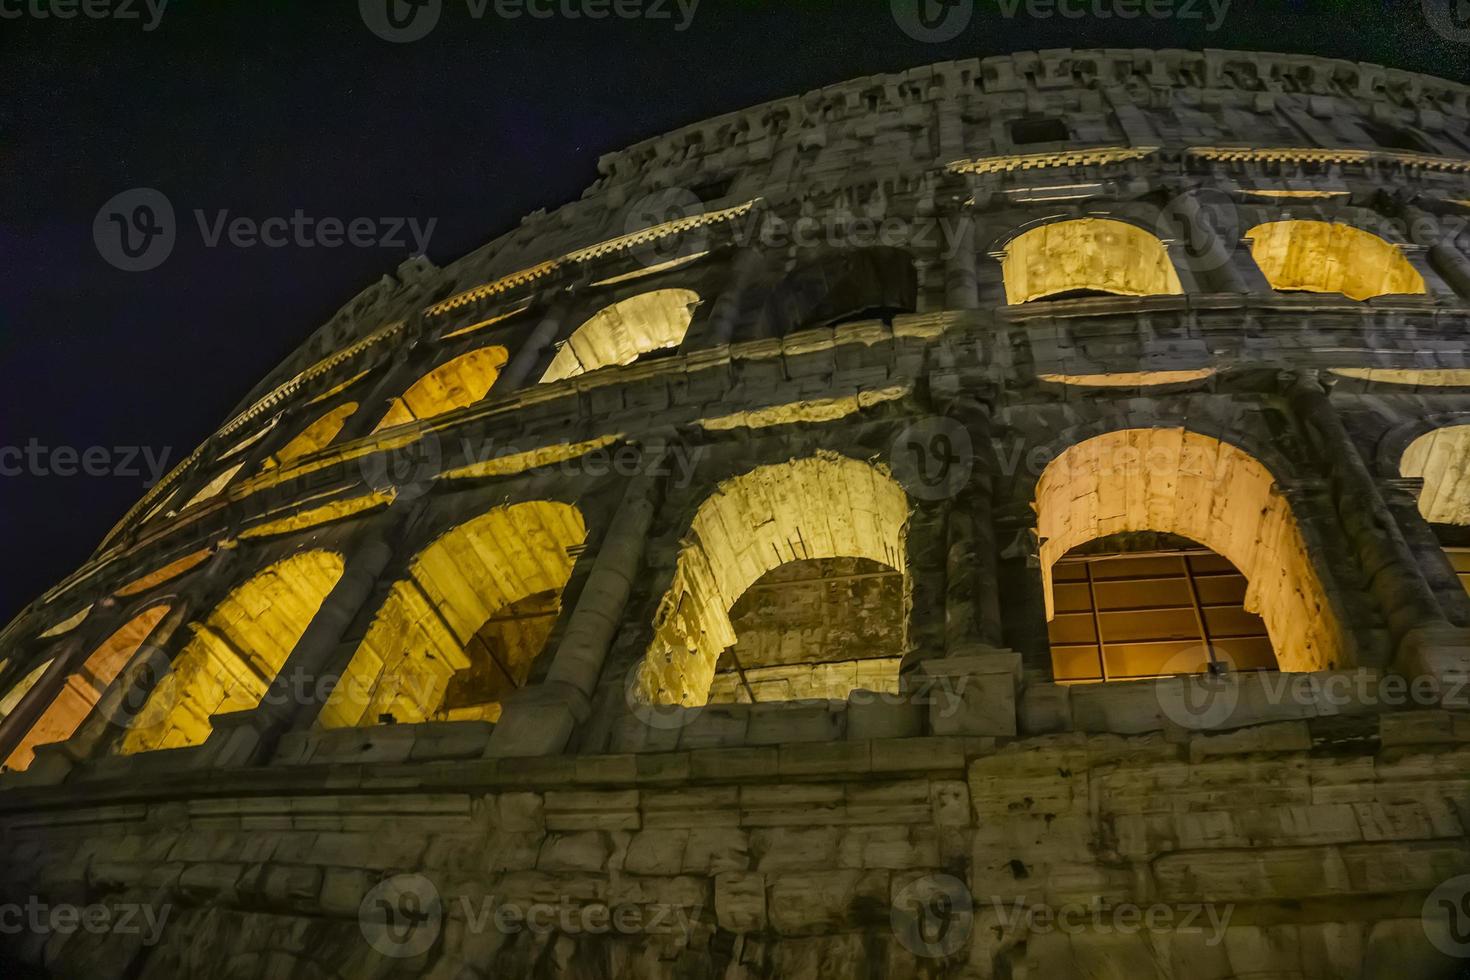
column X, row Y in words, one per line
column 1324, row 257
column 843, row 285
column 810, row 510
column 452, row 385
column 1441, row 458
column 1211, row 494
column 83, row 689
column 624, row 332
column 214, row 487
column 1086, row 256
column 314, row 437
column 167, row 573
column 463, row 630
column 235, row 653
column 12, row 697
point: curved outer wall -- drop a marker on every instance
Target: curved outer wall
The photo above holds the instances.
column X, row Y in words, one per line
column 849, row 249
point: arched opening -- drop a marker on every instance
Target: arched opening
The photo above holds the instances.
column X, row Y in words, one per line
column 814, row 629
column 465, row 627
column 624, row 332
column 1208, row 492
column 235, row 653
column 843, row 285
column 453, row 385
column 12, row 697
column 1129, row 606
column 67, row 625
column 167, row 573
column 818, row 508
column 1441, row 458
column 83, row 689
column 313, row 438
column 1325, row 257
column 213, row 488
column 1087, row 256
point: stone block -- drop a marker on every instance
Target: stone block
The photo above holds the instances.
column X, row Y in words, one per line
column 587, row 851
column 969, row 695
column 740, row 901
column 824, row 902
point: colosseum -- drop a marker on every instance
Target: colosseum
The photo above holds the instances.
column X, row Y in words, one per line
column 1009, row 519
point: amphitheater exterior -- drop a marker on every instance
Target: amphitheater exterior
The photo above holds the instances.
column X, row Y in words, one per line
column 1005, row 519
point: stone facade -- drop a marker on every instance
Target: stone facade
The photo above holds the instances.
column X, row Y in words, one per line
column 428, row 662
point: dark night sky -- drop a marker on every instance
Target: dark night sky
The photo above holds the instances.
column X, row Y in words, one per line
column 274, row 105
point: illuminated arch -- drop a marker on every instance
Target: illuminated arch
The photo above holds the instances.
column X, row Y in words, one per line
column 167, row 573
column 235, row 653
column 1184, row 483
column 214, row 487
column 823, row 506
column 83, row 689
column 1093, row 254
column 624, row 332
column 463, row 629
column 1324, row 257
column 1442, row 458
column 20, row 690
column 313, row 438
column 453, row 385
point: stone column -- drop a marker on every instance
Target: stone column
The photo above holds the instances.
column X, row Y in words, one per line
column 297, row 693
column 1219, row 263
column 1424, row 640
column 973, row 689
column 540, row 719
column 730, row 307
column 1438, row 252
column 524, row 360
column 1402, row 498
